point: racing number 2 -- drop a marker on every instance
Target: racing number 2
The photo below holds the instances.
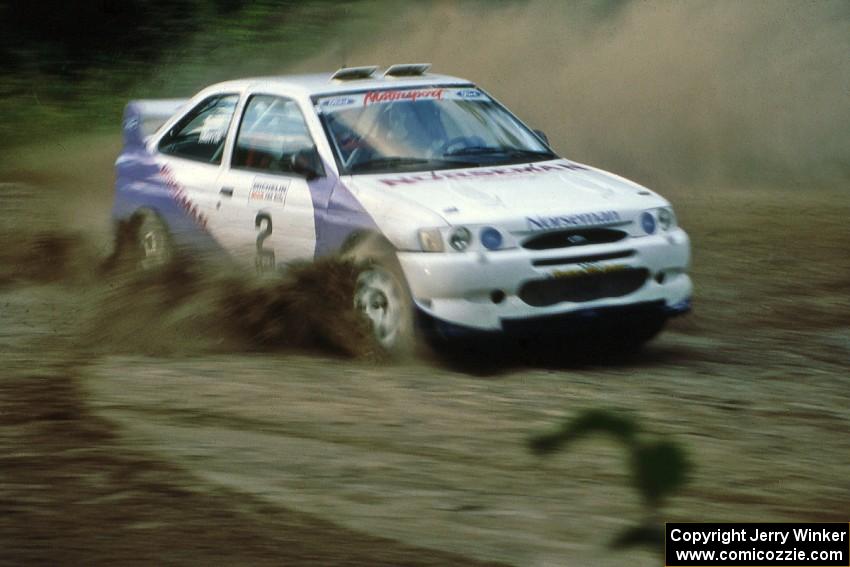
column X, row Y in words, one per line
column 265, row 258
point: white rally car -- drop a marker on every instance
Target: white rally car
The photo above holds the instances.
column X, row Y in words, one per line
column 466, row 219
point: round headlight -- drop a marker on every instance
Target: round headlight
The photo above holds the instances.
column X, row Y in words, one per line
column 491, row 238
column 666, row 219
column 460, row 238
column 647, row 222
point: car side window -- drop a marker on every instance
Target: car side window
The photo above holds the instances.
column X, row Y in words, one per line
column 200, row 135
column 271, row 135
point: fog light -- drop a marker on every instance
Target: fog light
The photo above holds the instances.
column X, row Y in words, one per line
column 647, row 222
column 666, row 218
column 460, row 239
column 491, row 238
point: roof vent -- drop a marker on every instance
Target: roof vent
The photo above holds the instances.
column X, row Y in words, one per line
column 407, row 70
column 354, row 73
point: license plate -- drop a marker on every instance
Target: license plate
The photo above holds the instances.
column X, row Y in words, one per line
column 588, row 268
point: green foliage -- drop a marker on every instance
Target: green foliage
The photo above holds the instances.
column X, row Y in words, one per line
column 658, row 467
column 71, row 68
column 622, row 427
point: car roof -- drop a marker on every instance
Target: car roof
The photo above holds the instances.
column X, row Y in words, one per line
column 324, row 84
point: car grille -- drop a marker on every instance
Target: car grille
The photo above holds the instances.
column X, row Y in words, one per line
column 586, row 287
column 578, row 237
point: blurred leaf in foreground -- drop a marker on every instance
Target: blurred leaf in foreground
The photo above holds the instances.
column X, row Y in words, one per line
column 658, row 467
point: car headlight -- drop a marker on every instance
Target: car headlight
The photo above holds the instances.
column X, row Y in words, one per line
column 460, row 238
column 463, row 238
column 431, row 240
column 666, row 218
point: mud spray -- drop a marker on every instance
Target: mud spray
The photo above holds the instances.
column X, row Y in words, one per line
column 189, row 306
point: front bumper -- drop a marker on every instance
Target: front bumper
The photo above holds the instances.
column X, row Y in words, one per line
column 573, row 323
column 483, row 290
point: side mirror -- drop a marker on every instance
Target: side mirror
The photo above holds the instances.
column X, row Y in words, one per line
column 306, row 162
column 542, row 135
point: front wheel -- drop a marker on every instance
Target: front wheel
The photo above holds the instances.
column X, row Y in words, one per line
column 382, row 296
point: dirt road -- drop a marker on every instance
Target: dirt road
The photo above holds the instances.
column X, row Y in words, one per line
column 213, row 452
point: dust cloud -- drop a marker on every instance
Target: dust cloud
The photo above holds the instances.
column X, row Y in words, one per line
column 666, row 93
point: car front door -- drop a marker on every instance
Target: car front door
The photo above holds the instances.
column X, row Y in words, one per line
column 265, row 200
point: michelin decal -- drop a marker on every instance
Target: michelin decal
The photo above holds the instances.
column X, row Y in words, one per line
column 270, row 191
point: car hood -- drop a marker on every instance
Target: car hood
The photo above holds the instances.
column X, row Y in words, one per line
column 533, row 195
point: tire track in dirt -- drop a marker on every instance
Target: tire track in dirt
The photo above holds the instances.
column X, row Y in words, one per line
column 429, row 456
column 74, row 493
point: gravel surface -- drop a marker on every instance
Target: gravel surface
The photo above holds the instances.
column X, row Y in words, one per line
column 192, row 449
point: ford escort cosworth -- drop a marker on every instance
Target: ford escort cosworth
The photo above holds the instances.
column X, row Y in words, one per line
column 461, row 218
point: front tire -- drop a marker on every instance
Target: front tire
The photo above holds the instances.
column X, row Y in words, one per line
column 382, row 296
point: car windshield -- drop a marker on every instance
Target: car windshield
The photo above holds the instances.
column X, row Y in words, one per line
column 424, row 129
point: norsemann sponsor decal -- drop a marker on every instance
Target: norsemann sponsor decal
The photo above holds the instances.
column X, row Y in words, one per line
column 581, row 219
column 482, row 174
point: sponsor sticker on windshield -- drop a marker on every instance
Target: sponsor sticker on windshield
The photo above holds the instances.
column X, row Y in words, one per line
column 337, row 101
column 384, row 96
column 470, row 94
column 374, row 97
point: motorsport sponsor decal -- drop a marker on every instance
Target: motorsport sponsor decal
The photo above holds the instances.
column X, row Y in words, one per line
column 580, row 219
column 270, row 191
column 470, row 94
column 481, row 173
column 337, row 101
column 373, row 97
column 354, row 100
column 178, row 193
column 214, row 128
column 131, row 123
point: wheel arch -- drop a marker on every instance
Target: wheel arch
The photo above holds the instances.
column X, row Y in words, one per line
column 369, row 239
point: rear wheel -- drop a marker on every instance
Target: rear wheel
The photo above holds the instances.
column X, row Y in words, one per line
column 154, row 242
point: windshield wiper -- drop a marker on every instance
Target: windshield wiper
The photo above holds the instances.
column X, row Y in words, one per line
column 492, row 150
column 392, row 161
